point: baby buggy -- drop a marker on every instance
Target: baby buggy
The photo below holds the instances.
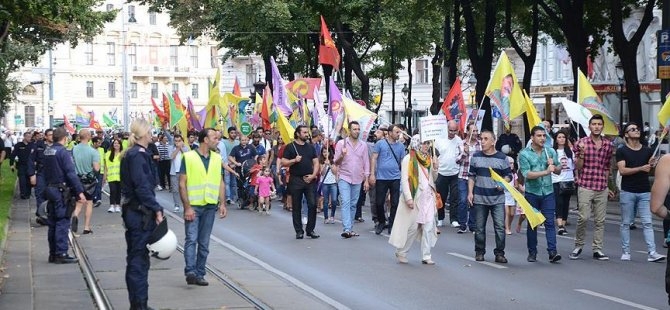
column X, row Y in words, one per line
column 245, row 188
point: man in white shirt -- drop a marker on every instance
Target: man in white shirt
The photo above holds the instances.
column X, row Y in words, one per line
column 448, row 151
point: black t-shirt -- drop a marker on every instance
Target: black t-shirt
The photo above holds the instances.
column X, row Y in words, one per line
column 241, row 154
column 638, row 182
column 153, row 150
column 304, row 167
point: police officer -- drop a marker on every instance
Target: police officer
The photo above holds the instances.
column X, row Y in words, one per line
column 61, row 180
column 20, row 161
column 37, row 157
column 141, row 213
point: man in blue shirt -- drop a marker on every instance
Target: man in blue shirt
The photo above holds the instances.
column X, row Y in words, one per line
column 387, row 155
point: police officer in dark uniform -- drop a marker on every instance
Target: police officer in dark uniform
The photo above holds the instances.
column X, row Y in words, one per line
column 37, row 157
column 62, row 182
column 20, row 160
column 140, row 211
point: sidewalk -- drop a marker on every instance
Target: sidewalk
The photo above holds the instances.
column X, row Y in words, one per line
column 30, row 282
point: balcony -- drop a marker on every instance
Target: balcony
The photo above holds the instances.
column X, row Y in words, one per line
column 160, row 71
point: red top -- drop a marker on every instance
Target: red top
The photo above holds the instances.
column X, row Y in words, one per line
column 594, row 173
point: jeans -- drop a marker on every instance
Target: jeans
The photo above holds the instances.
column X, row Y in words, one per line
column 447, row 186
column 547, row 205
column 174, row 189
column 231, row 186
column 498, row 217
column 349, row 196
column 381, row 188
column 298, row 189
column 198, row 232
column 596, row 201
column 628, row 202
column 329, row 199
column 466, row 215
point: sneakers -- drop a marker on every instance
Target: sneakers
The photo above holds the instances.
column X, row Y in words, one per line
column 117, row 209
column 455, row 224
column 626, row 256
column 97, row 204
column 479, row 257
column 554, row 257
column 461, row 231
column 531, row 258
column 562, row 231
column 600, row 256
column 111, row 209
column 379, row 229
column 440, row 223
column 655, row 257
column 575, row 253
column 159, row 188
column 501, row 259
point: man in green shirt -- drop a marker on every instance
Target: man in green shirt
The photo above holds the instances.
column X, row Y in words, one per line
column 536, row 164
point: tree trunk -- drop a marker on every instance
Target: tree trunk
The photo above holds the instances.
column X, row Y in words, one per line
column 409, row 97
column 454, row 46
column 437, row 71
column 353, row 59
column 313, row 61
column 268, row 69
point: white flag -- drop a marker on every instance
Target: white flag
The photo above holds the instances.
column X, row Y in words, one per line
column 578, row 113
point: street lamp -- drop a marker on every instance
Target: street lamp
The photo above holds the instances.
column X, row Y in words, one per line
column 472, row 81
column 124, row 63
column 620, row 75
column 405, row 94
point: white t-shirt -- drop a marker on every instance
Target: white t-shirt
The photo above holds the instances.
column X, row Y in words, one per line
column 567, row 169
column 176, row 162
column 450, row 151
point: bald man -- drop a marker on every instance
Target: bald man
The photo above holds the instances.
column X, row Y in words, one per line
column 87, row 166
column 449, row 152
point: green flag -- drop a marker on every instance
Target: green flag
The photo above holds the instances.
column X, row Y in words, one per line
column 175, row 113
column 108, row 120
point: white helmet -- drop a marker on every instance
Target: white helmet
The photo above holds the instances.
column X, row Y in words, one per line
column 506, row 149
column 163, row 242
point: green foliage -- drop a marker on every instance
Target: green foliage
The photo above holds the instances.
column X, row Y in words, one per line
column 7, row 180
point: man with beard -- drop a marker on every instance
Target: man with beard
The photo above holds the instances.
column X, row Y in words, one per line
column 303, row 165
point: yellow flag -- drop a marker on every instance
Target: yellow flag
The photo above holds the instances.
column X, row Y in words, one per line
column 214, row 93
column 588, row 98
column 285, row 129
column 505, row 92
column 259, row 104
column 356, row 112
column 182, row 124
column 533, row 215
column 533, row 118
column 664, row 113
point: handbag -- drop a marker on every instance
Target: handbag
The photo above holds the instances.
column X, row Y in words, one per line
column 438, row 198
column 89, row 182
column 566, row 187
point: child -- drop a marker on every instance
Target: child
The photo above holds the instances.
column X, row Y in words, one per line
column 265, row 186
column 254, row 173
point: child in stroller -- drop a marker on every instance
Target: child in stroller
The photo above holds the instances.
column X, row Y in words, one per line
column 250, row 171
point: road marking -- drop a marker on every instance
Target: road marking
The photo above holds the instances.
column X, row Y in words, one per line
column 615, row 299
column 323, row 297
column 472, row 259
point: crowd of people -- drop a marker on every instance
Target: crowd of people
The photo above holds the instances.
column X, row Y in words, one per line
column 410, row 185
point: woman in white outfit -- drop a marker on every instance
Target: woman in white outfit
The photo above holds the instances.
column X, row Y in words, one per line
column 415, row 218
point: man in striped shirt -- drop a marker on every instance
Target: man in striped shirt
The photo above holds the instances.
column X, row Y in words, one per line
column 164, row 162
column 466, row 219
column 487, row 196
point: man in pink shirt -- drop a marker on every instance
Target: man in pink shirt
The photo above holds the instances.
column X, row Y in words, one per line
column 351, row 155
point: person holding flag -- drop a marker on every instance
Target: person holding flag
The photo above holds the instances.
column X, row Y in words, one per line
column 536, row 164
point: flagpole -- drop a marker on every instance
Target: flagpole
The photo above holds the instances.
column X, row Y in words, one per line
column 476, row 116
column 658, row 146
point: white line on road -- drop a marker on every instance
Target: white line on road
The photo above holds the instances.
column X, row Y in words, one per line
column 472, row 259
column 615, row 299
column 274, row 270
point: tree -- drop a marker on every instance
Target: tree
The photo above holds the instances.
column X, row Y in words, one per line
column 28, row 28
column 626, row 48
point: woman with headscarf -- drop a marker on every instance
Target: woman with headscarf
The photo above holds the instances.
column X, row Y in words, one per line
column 415, row 218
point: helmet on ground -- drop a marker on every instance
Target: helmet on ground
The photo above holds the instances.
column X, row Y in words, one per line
column 163, row 241
column 506, row 149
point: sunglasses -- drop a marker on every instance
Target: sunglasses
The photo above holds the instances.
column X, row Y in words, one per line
column 633, row 129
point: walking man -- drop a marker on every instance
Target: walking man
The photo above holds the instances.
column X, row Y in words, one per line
column 387, row 155
column 202, row 192
column 19, row 161
column 38, row 158
column 594, row 154
column 466, row 215
column 536, row 164
column 87, row 165
column 449, row 151
column 487, row 196
column 634, row 162
column 303, row 164
column 351, row 155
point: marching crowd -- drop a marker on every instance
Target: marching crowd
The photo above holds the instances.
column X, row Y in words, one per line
column 409, row 183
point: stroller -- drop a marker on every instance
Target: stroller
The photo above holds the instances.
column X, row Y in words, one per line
column 245, row 190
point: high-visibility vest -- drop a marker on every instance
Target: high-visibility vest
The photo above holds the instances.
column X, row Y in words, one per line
column 101, row 151
column 202, row 185
column 113, row 167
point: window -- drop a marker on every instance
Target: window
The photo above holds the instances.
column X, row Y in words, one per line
column 132, row 54
column 175, row 88
column 214, row 57
column 89, row 53
column 29, row 112
column 174, row 60
column 111, row 89
column 545, row 67
column 194, row 91
column 194, row 56
column 111, row 53
column 133, row 90
column 131, row 12
column 251, row 74
column 110, row 7
column 152, row 18
column 153, row 53
column 422, row 71
column 89, row 89
column 154, row 90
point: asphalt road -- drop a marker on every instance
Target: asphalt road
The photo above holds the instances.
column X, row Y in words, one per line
column 362, row 273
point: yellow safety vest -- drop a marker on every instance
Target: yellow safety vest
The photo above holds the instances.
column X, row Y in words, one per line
column 202, row 185
column 113, row 167
column 101, row 151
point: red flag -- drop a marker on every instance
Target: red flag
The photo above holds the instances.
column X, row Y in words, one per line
column 454, row 105
column 265, row 111
column 236, row 88
column 166, row 109
column 180, row 105
column 304, row 87
column 68, row 126
column 328, row 54
column 158, row 111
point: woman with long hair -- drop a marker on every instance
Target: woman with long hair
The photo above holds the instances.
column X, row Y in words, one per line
column 564, row 183
column 328, row 184
column 113, row 175
column 415, row 217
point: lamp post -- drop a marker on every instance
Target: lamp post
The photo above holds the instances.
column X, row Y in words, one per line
column 472, row 81
column 405, row 93
column 51, row 90
column 124, row 69
column 620, row 76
